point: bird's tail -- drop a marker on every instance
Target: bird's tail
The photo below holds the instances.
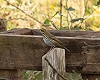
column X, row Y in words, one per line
column 67, row 49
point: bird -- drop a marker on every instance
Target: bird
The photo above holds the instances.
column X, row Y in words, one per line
column 51, row 40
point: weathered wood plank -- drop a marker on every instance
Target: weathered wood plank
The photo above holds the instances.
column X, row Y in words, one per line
column 72, row 33
column 53, row 64
column 21, row 52
column 8, row 74
column 93, row 59
column 66, row 33
column 18, row 31
column 26, row 51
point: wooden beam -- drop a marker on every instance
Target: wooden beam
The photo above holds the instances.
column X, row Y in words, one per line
column 18, row 31
column 21, row 51
column 8, row 74
column 26, row 51
column 68, row 33
column 64, row 33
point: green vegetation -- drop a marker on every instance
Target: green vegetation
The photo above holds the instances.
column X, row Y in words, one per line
column 46, row 11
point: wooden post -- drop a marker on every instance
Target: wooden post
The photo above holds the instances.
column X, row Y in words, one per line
column 53, row 64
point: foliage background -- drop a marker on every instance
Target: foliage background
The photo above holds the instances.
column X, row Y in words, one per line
column 46, row 9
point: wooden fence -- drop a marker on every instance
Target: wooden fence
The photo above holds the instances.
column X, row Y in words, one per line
column 24, row 49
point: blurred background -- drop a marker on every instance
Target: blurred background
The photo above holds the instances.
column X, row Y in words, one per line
column 65, row 16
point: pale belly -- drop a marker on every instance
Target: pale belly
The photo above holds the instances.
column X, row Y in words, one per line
column 48, row 42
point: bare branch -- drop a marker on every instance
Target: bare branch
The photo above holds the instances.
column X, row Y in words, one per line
column 24, row 12
column 68, row 14
column 31, row 16
column 61, row 13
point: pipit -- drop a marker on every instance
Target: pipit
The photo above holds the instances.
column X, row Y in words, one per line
column 51, row 40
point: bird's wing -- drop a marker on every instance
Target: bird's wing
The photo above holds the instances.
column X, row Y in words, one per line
column 56, row 41
column 54, row 38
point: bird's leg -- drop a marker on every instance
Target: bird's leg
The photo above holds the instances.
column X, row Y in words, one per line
column 52, row 47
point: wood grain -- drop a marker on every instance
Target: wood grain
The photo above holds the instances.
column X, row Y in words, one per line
column 53, row 64
column 25, row 51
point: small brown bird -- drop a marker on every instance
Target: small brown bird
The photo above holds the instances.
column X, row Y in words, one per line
column 51, row 40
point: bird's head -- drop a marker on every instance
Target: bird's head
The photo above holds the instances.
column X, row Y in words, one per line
column 43, row 31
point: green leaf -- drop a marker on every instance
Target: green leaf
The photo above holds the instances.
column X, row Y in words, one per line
column 70, row 9
column 63, row 28
column 38, row 75
column 76, row 28
column 78, row 19
column 47, row 21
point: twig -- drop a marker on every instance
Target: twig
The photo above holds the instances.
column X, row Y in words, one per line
column 18, row 19
column 24, row 12
column 48, row 9
column 61, row 13
column 32, row 17
column 54, row 25
column 83, row 20
column 55, row 69
column 49, row 18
